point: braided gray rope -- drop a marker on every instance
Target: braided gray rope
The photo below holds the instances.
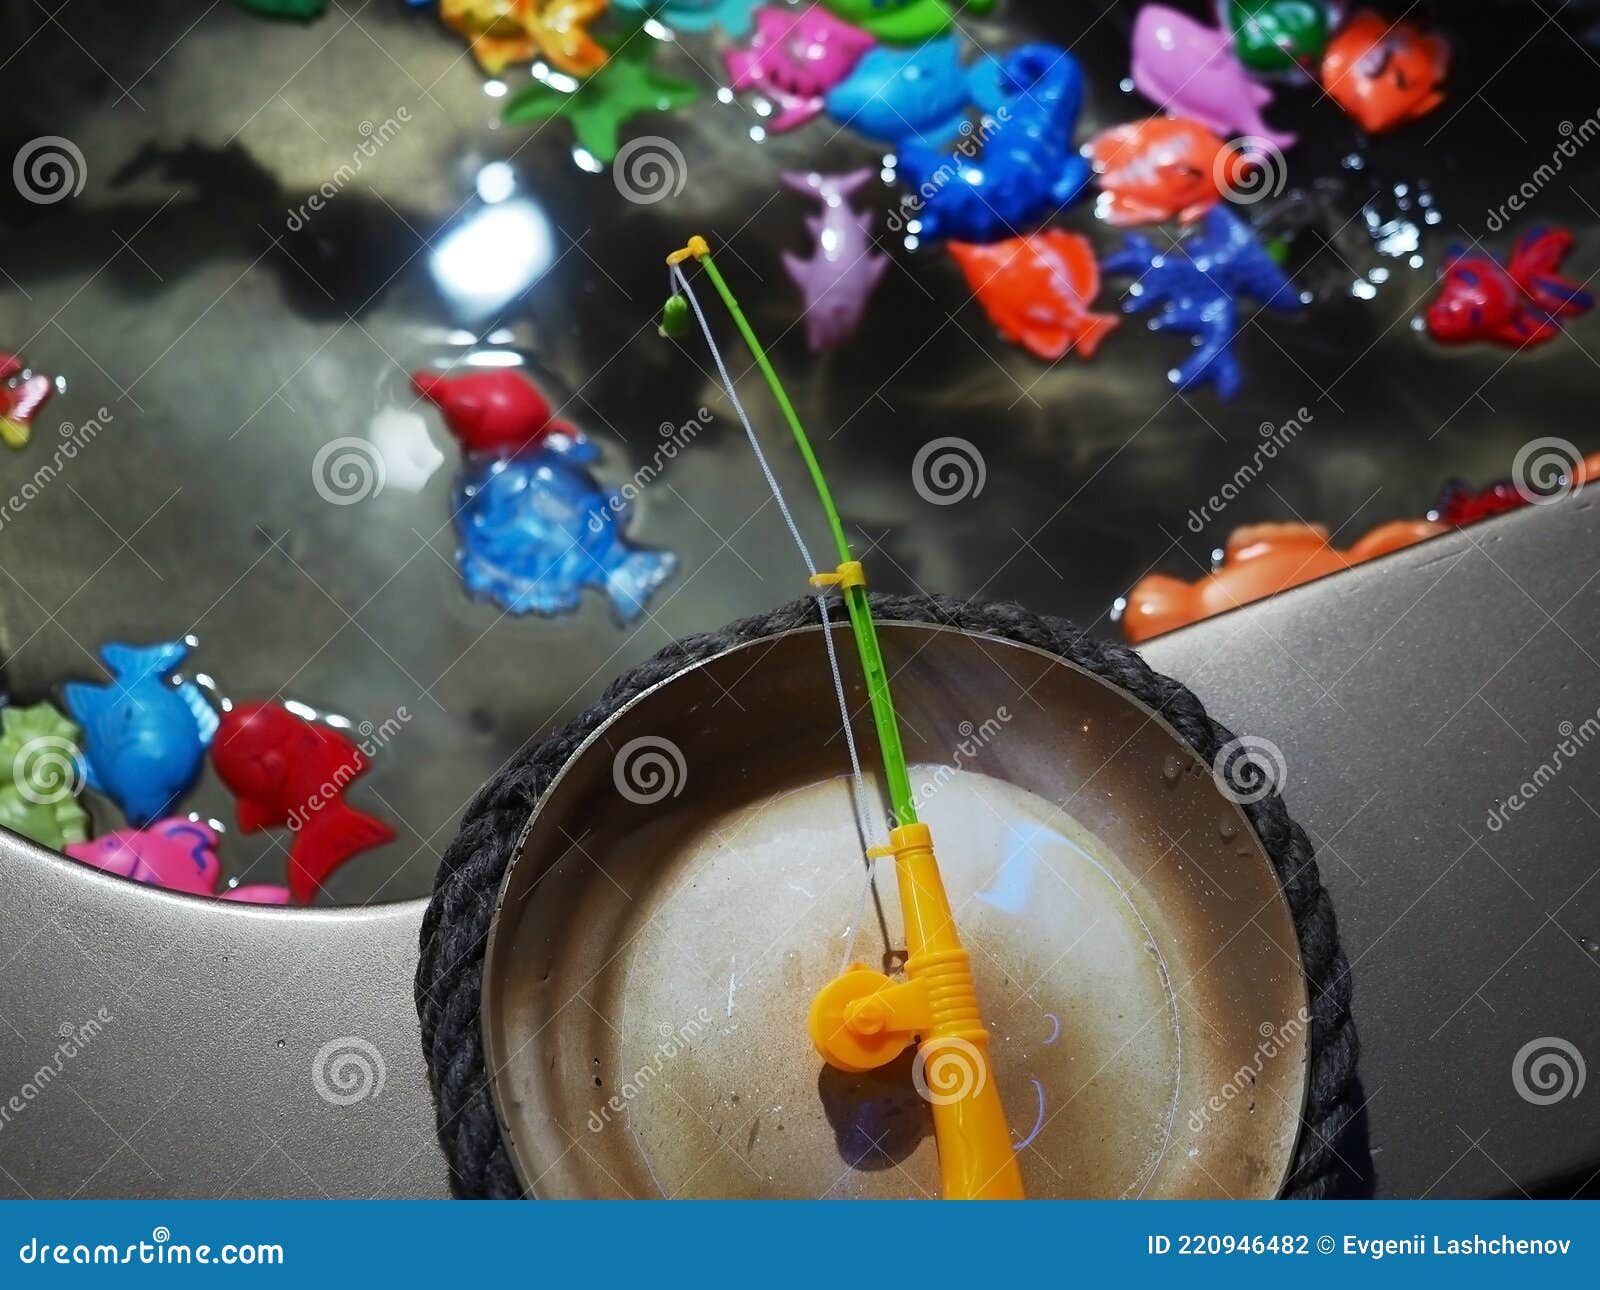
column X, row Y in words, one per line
column 455, row 929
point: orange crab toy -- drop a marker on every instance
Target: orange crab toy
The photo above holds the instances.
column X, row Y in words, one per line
column 502, row 32
column 1260, row 560
column 1385, row 75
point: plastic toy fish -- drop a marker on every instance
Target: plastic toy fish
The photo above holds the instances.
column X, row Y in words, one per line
column 22, row 393
column 626, row 86
column 1385, row 75
column 1519, row 305
column 299, row 10
column 536, row 530
column 838, row 280
column 287, row 772
column 1199, row 288
column 904, row 22
column 795, row 58
column 177, row 854
column 144, row 737
column 733, row 16
column 1037, row 290
column 1189, row 69
column 40, row 775
column 1158, row 168
column 1259, row 560
column 496, row 411
column 1460, row 505
column 1277, row 35
column 502, row 32
column 1029, row 168
column 918, row 94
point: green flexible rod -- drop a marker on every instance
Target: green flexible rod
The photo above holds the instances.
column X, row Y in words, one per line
column 855, row 593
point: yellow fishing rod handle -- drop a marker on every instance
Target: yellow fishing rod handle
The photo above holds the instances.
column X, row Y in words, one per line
column 976, row 1161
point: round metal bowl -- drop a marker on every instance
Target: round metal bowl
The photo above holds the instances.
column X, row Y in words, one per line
column 694, row 876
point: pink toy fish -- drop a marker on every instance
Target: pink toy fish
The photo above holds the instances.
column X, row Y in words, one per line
column 177, row 854
column 839, row 279
column 1191, row 71
column 795, row 59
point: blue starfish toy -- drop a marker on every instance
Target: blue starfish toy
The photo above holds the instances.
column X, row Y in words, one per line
column 1199, row 287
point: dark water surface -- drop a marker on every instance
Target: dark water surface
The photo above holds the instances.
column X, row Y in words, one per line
column 229, row 347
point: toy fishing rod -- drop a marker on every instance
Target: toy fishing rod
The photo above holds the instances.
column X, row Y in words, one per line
column 863, row 1019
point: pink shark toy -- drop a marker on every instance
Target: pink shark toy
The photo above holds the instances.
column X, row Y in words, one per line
column 1191, row 71
column 178, row 854
column 838, row 280
column 795, row 59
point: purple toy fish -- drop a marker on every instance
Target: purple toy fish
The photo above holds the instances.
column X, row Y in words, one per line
column 839, row 279
column 1191, row 71
column 178, row 854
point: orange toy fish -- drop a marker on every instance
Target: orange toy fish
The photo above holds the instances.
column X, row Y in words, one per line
column 1385, row 75
column 502, row 32
column 1037, row 290
column 1154, row 169
column 1260, row 560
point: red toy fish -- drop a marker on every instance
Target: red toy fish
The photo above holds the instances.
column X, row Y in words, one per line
column 1162, row 167
column 1459, row 505
column 1037, row 290
column 1519, row 305
column 496, row 411
column 287, row 772
column 22, row 394
column 1385, row 74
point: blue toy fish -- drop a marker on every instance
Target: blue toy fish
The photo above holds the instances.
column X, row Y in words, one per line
column 144, row 737
column 1028, row 168
column 902, row 96
column 536, row 530
column 1199, row 287
column 733, row 16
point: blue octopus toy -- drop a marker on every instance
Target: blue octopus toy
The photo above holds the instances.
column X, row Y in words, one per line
column 536, row 529
column 1028, row 168
column 1199, row 287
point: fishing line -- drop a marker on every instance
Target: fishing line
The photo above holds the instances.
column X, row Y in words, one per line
column 863, row 809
